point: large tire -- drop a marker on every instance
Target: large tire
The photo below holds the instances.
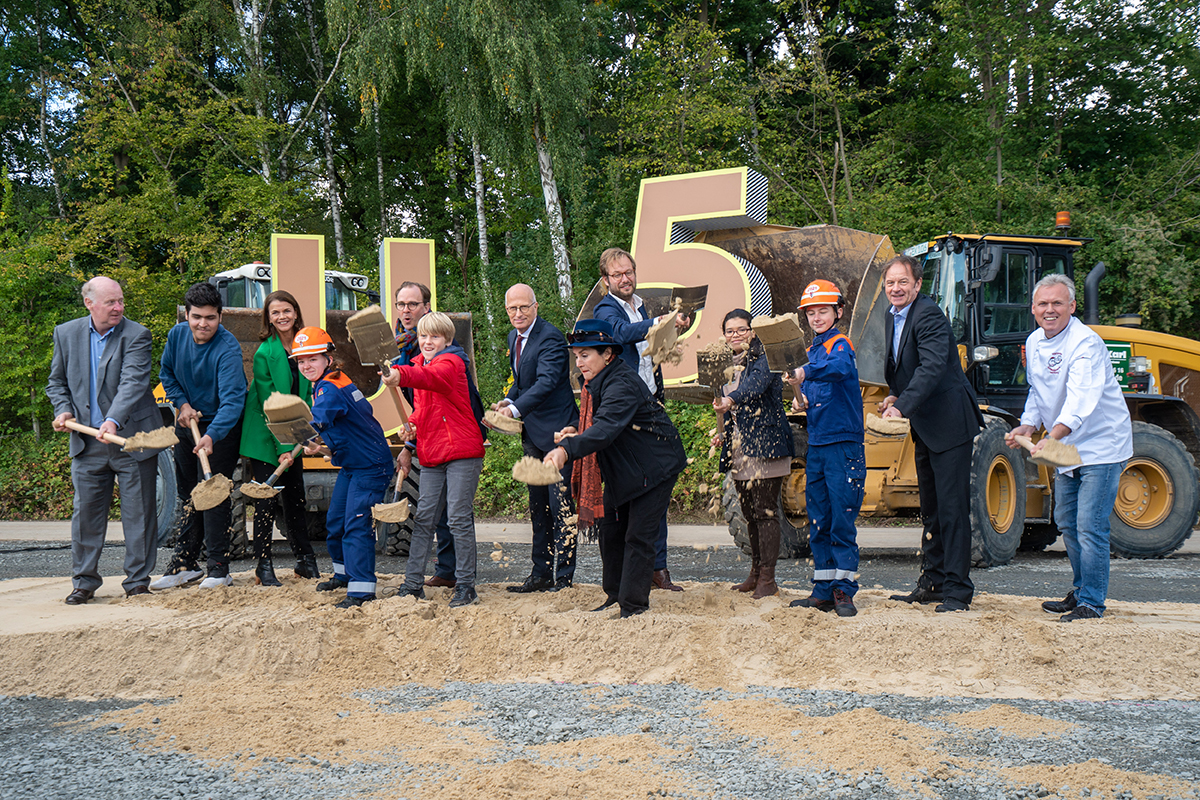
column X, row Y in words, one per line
column 1038, row 536
column 394, row 537
column 793, row 539
column 997, row 497
column 168, row 504
column 239, row 544
column 1158, row 496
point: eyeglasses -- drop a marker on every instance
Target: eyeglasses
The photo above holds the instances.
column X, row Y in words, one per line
column 737, row 332
column 519, row 309
column 618, row 275
column 409, row 306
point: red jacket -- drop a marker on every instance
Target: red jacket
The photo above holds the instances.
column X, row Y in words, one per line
column 446, row 426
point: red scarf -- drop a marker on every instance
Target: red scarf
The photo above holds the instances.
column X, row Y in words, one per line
column 585, row 474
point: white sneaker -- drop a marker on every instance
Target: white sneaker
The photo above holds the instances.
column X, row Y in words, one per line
column 181, row 578
column 211, row 583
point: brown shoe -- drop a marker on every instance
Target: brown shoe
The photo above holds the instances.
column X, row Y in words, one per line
column 435, row 581
column 78, row 597
column 766, row 582
column 750, row 583
column 662, row 580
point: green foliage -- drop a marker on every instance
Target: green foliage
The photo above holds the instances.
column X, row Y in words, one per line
column 35, row 476
column 699, row 483
column 498, row 494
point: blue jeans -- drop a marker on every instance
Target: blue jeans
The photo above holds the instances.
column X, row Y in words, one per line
column 449, row 488
column 1084, row 500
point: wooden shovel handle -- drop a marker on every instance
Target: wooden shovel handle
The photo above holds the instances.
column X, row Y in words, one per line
column 283, row 467
column 401, row 404
column 203, row 455
column 108, row 437
column 1025, row 442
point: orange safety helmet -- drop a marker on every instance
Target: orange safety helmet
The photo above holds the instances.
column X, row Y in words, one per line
column 820, row 293
column 311, row 341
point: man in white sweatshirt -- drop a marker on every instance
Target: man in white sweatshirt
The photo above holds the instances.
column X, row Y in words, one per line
column 1074, row 394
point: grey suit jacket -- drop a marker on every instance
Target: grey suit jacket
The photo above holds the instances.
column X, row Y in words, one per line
column 122, row 379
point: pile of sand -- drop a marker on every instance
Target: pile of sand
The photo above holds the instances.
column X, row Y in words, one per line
column 1004, row 647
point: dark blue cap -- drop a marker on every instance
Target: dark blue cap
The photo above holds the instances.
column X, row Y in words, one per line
column 593, row 333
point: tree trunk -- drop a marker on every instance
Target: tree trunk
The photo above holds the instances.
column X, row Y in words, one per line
column 459, row 237
column 335, row 209
column 481, row 221
column 554, row 218
column 252, row 46
column 383, row 215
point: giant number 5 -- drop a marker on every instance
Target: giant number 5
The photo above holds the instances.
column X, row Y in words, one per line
column 671, row 211
column 298, row 265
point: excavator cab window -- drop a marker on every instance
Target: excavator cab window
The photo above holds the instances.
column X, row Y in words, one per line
column 1006, row 300
column 943, row 278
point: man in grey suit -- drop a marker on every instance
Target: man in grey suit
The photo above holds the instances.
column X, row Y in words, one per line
column 100, row 376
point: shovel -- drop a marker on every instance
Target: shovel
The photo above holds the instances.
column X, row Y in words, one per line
column 1053, row 454
column 214, row 489
column 376, row 344
column 148, row 440
column 265, row 491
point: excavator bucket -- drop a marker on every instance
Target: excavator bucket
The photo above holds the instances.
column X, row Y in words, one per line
column 791, row 258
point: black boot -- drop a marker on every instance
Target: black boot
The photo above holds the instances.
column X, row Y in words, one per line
column 264, row 573
column 306, row 567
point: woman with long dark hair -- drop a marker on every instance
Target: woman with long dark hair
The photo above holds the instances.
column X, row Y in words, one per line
column 756, row 447
column 274, row 371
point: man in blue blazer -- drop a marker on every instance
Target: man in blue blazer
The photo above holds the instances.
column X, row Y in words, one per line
column 926, row 385
column 100, row 377
column 626, row 313
column 542, row 399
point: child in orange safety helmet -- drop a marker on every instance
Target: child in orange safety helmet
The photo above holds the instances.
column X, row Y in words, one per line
column 836, row 467
column 343, row 417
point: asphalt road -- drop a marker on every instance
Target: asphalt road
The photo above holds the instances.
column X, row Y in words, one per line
column 889, row 560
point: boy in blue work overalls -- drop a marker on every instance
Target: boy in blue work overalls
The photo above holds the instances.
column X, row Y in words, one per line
column 836, row 467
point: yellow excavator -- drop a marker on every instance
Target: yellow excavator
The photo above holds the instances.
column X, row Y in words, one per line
column 983, row 282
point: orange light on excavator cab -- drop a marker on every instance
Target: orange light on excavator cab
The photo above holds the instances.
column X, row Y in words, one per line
column 1062, row 220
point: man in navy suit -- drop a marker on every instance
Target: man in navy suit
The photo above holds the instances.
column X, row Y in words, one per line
column 542, row 399
column 926, row 384
column 625, row 312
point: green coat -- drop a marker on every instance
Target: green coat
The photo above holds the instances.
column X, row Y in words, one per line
column 272, row 373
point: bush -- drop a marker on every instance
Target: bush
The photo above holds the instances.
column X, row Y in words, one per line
column 35, row 477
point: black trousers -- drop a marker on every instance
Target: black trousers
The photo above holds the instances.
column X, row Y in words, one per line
column 211, row 526
column 554, row 543
column 944, row 481
column 291, row 494
column 628, row 541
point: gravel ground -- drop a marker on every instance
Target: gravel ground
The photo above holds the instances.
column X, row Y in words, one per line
column 1175, row 579
column 52, row 749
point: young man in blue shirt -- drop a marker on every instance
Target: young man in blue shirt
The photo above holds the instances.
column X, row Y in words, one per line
column 203, row 376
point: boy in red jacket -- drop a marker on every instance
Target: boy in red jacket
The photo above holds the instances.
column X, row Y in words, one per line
column 451, row 455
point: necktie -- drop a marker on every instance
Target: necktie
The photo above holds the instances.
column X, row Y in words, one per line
column 517, row 359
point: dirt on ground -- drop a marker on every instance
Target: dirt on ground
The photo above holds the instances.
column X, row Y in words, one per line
column 250, row 655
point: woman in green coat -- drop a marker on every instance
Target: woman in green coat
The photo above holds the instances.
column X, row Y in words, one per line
column 275, row 372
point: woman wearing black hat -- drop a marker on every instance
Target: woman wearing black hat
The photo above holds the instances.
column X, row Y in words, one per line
column 639, row 455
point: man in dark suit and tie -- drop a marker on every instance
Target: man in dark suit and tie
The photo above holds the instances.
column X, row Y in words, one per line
column 100, row 377
column 926, row 384
column 542, row 399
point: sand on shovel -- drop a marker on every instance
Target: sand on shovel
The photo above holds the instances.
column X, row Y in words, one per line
column 157, row 439
column 390, row 512
column 212, row 492
column 887, row 426
column 281, row 407
column 535, row 472
column 1053, row 454
column 502, row 422
column 661, row 338
column 259, row 491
